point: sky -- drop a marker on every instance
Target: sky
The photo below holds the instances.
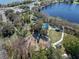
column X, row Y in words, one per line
column 8, row 1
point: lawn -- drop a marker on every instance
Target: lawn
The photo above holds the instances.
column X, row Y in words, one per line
column 54, row 36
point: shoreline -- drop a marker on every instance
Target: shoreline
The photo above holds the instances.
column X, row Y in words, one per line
column 65, row 20
column 40, row 8
column 69, row 27
column 60, row 19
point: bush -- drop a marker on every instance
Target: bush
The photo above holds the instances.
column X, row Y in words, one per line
column 49, row 53
column 7, row 30
column 71, row 44
column 8, row 11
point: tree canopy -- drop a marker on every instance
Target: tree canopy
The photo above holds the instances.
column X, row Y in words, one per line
column 71, row 44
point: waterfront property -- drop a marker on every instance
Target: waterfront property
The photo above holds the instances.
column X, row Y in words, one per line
column 69, row 12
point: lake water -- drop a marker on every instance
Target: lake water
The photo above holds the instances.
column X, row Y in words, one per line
column 8, row 1
column 66, row 11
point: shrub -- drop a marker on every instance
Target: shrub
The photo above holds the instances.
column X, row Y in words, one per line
column 71, row 44
column 7, row 30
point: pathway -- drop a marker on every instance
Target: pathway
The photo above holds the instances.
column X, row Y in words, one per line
column 61, row 39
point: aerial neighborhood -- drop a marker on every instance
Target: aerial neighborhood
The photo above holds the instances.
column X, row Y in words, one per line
column 39, row 29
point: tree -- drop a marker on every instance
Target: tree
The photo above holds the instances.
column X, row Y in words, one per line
column 7, row 30
column 41, row 54
column 37, row 26
column 77, row 0
column 68, row 1
column 71, row 44
column 53, row 53
column 11, row 16
column 1, row 18
column 49, row 53
column 22, row 32
column 8, row 11
column 25, row 17
column 71, row 1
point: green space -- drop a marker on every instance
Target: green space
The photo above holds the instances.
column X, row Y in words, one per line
column 54, row 35
column 21, row 33
column 71, row 45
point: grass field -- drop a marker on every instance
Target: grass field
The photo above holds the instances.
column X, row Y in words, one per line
column 54, row 36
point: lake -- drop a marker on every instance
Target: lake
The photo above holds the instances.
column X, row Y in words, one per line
column 68, row 12
column 8, row 1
